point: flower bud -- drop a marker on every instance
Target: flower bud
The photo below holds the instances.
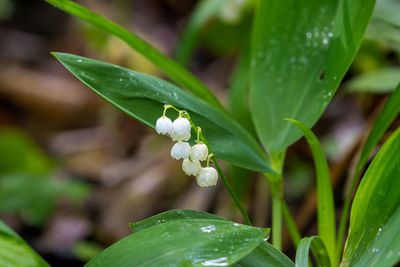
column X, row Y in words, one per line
column 191, row 167
column 207, row 177
column 163, row 125
column 199, row 152
column 180, row 150
column 181, row 126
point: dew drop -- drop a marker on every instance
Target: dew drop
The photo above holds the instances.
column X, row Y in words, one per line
column 208, row 229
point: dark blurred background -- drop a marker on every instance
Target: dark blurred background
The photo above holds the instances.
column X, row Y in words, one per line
column 74, row 170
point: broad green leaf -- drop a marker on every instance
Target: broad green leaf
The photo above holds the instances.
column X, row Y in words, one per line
column 143, row 96
column 301, row 51
column 318, row 248
column 265, row 255
column 172, row 215
column 174, row 70
column 192, row 242
column 15, row 252
column 203, row 12
column 379, row 81
column 389, row 112
column 239, row 93
column 375, row 213
column 326, row 207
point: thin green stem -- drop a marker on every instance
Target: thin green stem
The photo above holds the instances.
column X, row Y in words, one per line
column 291, row 225
column 198, row 135
column 231, row 192
column 276, row 215
column 346, row 208
column 275, row 185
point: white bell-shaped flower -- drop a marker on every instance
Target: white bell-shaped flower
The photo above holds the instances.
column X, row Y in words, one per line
column 181, row 126
column 191, row 167
column 180, row 150
column 207, row 177
column 163, row 125
column 180, row 137
column 199, row 152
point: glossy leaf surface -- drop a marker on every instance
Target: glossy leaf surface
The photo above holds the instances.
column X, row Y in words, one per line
column 301, row 51
column 172, row 215
column 15, row 252
column 143, row 96
column 375, row 214
column 174, row 70
column 192, row 242
column 318, row 248
column 326, row 208
column 265, row 255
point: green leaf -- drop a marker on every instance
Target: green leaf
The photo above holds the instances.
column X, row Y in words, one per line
column 389, row 112
column 21, row 154
column 34, row 197
column 239, row 93
column 375, row 215
column 143, row 96
column 326, row 207
column 385, row 119
column 174, row 70
column 318, row 248
column 265, row 255
column 388, row 10
column 172, row 215
column 301, row 51
column 192, row 242
column 378, row 81
column 203, row 12
column 15, row 252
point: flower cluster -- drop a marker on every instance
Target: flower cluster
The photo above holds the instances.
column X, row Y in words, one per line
column 179, row 131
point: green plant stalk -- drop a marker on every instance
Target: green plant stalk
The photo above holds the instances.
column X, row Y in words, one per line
column 276, row 186
column 231, row 192
column 291, row 224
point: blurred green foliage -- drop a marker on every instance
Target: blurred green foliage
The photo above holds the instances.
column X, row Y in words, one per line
column 27, row 186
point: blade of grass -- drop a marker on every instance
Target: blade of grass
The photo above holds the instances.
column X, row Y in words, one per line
column 386, row 117
column 203, row 12
column 326, row 208
column 174, row 70
column 318, row 248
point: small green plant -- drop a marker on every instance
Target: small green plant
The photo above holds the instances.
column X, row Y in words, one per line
column 291, row 65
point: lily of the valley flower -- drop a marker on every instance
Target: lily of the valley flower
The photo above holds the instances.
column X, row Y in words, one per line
column 191, row 167
column 164, row 125
column 199, row 152
column 179, row 130
column 185, row 136
column 207, row 177
column 180, row 150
